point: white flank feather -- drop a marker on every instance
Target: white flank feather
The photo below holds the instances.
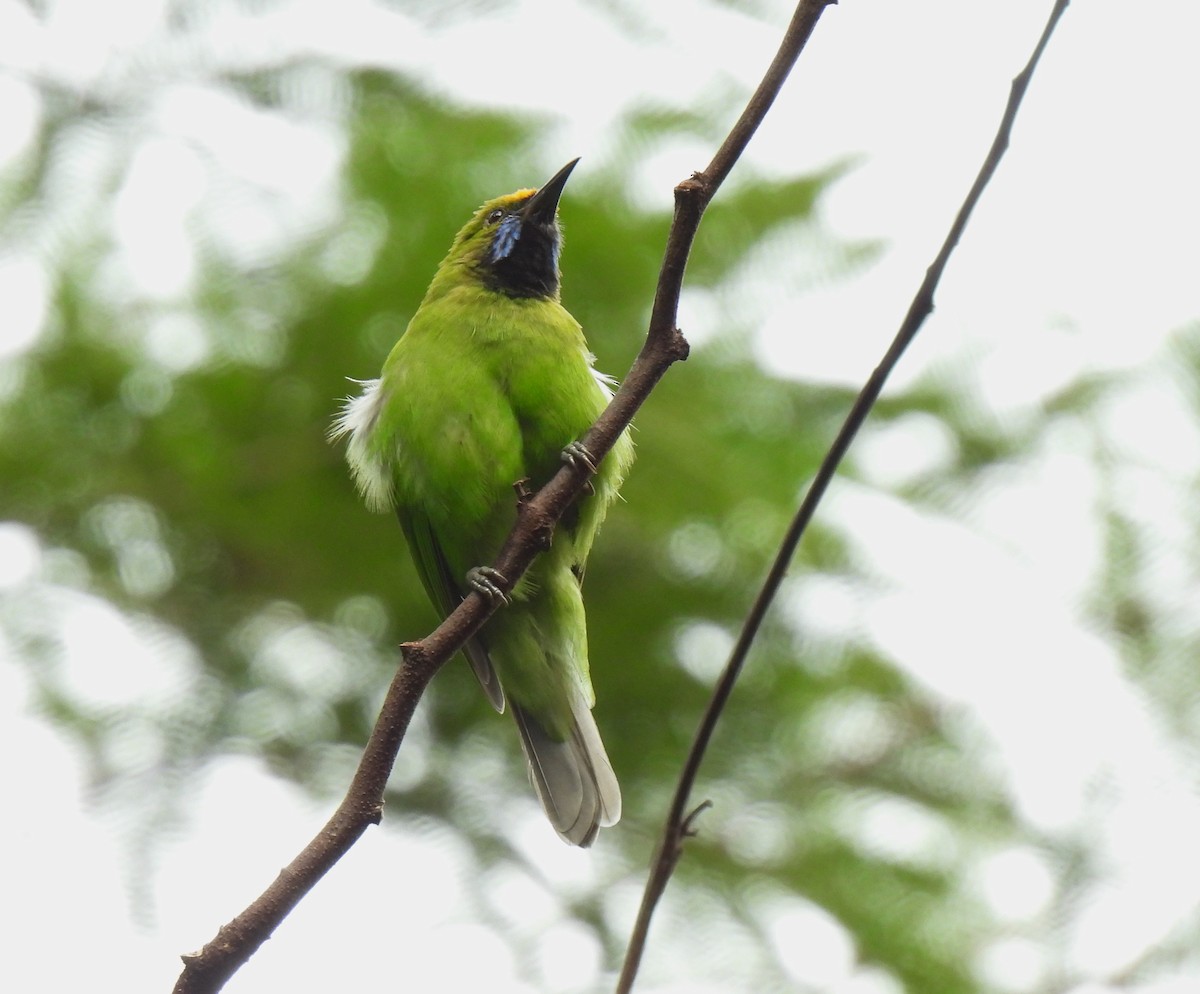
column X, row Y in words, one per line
column 372, row 474
column 607, row 383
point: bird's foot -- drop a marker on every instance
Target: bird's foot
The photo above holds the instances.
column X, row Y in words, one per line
column 577, row 456
column 488, row 582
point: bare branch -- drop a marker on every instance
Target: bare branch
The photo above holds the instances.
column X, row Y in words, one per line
column 679, row 824
column 207, row 971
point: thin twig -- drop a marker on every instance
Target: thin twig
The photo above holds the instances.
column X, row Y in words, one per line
column 679, row 825
column 207, row 971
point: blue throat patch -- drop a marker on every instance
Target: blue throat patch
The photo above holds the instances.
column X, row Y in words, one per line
column 505, row 239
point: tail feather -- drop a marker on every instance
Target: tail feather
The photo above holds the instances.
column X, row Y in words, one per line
column 573, row 778
column 485, row 672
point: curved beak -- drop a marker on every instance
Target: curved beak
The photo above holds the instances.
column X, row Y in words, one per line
column 542, row 206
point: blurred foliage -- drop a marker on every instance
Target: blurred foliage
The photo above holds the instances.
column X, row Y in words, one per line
column 206, row 502
column 199, row 496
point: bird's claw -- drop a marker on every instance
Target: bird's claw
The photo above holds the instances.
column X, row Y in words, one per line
column 577, row 456
column 488, row 582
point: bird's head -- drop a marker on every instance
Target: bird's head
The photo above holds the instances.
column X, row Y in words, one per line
column 512, row 243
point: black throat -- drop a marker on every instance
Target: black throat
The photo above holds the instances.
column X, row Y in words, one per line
column 530, row 269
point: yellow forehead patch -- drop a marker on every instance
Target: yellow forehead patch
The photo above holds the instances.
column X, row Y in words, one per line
column 508, row 200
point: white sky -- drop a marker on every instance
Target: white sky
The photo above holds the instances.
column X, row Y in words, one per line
column 1082, row 257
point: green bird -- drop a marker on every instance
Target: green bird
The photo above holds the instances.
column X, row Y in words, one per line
column 492, row 383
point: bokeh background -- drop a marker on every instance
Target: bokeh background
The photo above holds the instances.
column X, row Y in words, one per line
column 963, row 757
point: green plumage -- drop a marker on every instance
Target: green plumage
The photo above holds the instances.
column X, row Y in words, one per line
column 488, row 385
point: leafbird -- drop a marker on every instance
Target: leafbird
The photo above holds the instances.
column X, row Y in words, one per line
column 492, row 383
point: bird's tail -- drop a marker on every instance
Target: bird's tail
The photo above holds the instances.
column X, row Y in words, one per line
column 573, row 778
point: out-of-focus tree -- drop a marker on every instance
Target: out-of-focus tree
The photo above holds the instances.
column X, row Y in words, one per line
column 164, row 438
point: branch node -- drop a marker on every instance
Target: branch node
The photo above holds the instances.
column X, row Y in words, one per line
column 533, row 517
column 696, row 185
column 413, row 653
column 687, row 829
column 679, row 346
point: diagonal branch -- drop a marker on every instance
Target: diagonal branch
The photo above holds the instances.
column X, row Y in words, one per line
column 207, row 970
column 679, row 823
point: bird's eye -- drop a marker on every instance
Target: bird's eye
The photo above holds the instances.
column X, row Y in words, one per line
column 495, row 216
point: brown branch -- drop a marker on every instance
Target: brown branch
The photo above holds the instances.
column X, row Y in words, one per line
column 207, row 971
column 679, row 823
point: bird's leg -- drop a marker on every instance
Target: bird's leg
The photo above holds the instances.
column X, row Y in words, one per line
column 486, row 581
column 577, row 456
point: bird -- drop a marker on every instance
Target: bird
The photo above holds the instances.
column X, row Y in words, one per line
column 492, row 383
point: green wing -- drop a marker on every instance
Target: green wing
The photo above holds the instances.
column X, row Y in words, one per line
column 445, row 590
